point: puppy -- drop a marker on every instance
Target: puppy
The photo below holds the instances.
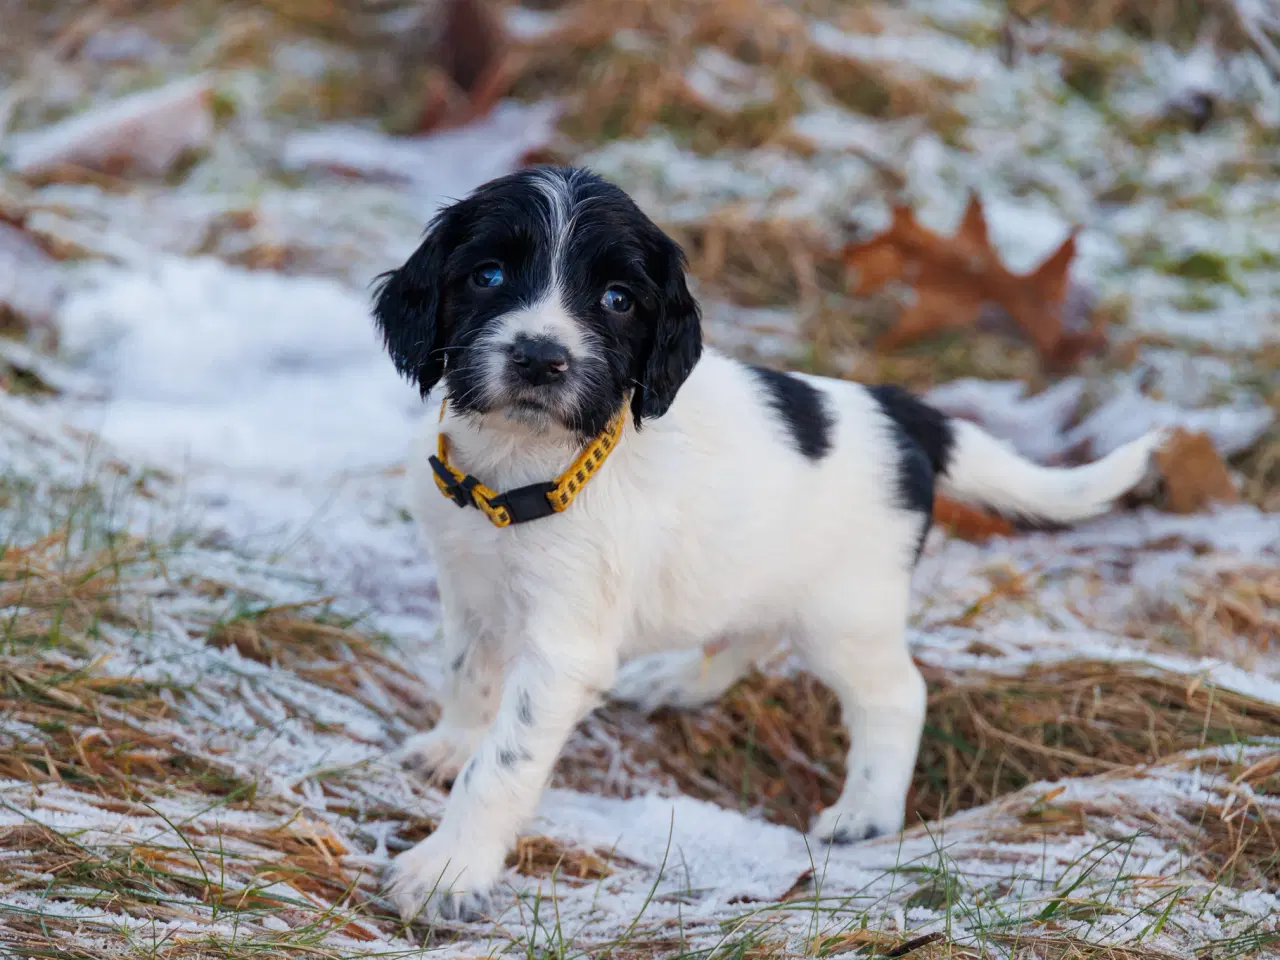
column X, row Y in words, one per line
column 608, row 488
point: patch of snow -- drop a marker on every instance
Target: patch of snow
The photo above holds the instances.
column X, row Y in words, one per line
column 250, row 370
column 1033, row 425
column 726, row 84
column 148, row 131
column 1129, row 413
column 933, row 53
column 525, row 24
column 440, row 167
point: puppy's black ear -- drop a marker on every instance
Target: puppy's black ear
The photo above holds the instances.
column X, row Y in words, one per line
column 675, row 341
column 407, row 308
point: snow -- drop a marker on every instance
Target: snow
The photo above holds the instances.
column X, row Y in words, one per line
column 1129, row 414
column 441, row 166
column 727, row 84
column 252, row 370
column 1040, row 426
column 149, row 130
column 29, row 282
column 938, row 54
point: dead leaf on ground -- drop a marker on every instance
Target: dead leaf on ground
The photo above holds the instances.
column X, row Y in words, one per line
column 953, row 278
column 969, row 523
column 1194, row 473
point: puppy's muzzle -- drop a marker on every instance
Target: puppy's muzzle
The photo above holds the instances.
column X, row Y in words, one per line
column 539, row 361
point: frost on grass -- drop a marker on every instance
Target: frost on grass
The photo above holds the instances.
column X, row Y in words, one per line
column 195, row 745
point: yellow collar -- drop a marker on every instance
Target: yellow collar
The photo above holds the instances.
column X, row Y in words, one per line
column 532, row 502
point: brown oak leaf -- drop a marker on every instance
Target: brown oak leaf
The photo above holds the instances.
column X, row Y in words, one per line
column 1193, row 472
column 969, row 523
column 955, row 277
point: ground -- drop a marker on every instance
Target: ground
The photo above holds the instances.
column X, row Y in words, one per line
column 218, row 622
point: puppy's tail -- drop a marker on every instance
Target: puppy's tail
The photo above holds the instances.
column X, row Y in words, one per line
column 978, row 469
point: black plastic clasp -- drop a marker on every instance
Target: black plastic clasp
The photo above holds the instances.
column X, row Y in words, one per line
column 459, row 491
column 524, row 504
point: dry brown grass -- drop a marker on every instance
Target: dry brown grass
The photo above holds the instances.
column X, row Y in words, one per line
column 327, row 651
column 1261, row 465
column 622, row 89
column 1230, row 613
column 937, row 946
column 95, row 736
column 83, row 738
column 758, row 262
column 1233, row 838
column 775, row 743
column 1174, row 21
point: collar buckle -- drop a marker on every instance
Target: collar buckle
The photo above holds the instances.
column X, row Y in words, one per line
column 524, row 504
column 533, row 501
column 456, row 489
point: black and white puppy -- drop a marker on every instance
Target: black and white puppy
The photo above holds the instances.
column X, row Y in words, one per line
column 739, row 505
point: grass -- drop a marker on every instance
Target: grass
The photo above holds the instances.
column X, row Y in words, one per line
column 209, row 857
column 775, row 745
column 207, row 850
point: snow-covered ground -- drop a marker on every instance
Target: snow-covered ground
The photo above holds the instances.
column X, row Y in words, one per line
column 245, row 419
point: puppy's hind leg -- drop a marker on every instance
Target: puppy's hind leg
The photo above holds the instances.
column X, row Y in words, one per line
column 855, row 641
column 690, row 678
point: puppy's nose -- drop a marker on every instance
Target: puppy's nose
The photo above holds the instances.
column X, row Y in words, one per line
column 539, row 360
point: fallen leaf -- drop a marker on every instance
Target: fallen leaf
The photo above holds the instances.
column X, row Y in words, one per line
column 953, row 278
column 969, row 523
column 1194, row 473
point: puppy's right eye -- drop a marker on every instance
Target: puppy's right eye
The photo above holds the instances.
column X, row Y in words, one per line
column 487, row 275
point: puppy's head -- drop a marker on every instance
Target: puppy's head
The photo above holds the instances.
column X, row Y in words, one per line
column 545, row 296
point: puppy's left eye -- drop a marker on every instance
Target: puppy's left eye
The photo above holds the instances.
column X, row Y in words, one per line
column 617, row 299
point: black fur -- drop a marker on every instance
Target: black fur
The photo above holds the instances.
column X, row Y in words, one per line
column 803, row 410
column 434, row 317
column 524, row 708
column 924, row 438
column 844, row 835
column 509, row 757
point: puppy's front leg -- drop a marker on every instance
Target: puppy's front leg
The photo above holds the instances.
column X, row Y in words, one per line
column 548, row 688
column 469, row 702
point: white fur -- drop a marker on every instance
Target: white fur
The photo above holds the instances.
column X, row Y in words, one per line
column 986, row 471
column 704, row 525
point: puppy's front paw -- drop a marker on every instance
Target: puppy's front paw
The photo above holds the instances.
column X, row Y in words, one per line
column 442, row 879
column 438, row 754
column 839, row 825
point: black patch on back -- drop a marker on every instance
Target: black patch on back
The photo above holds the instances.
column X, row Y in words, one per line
column 924, row 439
column 803, row 410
